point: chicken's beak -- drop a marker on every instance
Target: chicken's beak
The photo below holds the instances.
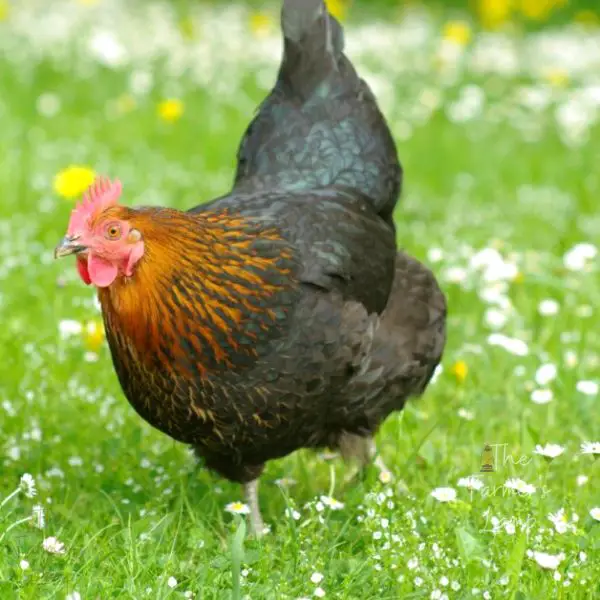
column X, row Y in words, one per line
column 68, row 245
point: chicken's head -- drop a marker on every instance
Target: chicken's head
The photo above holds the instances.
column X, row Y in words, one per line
column 99, row 234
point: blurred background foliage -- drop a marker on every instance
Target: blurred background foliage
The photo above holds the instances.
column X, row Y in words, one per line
column 487, row 14
column 490, row 14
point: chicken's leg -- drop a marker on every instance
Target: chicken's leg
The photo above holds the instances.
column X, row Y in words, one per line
column 257, row 524
column 385, row 475
column 363, row 450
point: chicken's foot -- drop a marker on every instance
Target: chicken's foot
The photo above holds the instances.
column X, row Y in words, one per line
column 364, row 451
column 257, row 524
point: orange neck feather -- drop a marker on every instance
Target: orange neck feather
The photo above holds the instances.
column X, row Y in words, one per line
column 208, row 289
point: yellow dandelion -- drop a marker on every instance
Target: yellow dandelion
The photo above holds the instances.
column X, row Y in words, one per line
column 460, row 370
column 557, row 78
column 73, row 181
column 494, row 13
column 94, row 335
column 170, row 110
column 536, row 10
column 458, row 32
column 338, row 8
column 261, row 23
column 4, row 10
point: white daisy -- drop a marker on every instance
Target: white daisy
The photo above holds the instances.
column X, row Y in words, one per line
column 105, row 46
column 576, row 259
column 561, row 522
column 27, row 485
column 444, row 494
column 332, row 503
column 595, row 513
column 545, row 374
column 238, row 508
column 435, row 255
column 455, row 274
column 588, row 388
column 316, row 578
column 518, row 485
column 550, row 451
column 172, row 582
column 542, row 396
column 548, row 561
column 467, row 415
column 590, row 448
column 495, row 318
column 512, row 345
column 570, row 358
column 582, row 479
column 385, row 477
column 53, row 546
column 68, row 328
column 294, row 514
column 24, row 565
column 471, row 483
column 548, row 307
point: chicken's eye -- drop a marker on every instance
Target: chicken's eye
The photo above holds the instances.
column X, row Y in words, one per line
column 113, row 231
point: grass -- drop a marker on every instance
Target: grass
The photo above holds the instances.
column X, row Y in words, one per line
column 132, row 508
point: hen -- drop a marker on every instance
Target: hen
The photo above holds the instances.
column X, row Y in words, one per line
column 280, row 316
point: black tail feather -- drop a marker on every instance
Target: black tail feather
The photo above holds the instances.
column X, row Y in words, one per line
column 299, row 16
column 313, row 45
column 320, row 126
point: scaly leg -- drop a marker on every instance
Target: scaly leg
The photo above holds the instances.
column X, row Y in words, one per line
column 364, row 451
column 257, row 524
column 385, row 475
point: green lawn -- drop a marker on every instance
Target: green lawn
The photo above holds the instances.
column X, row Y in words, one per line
column 501, row 183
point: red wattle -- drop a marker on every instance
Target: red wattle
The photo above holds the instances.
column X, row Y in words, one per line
column 82, row 268
column 101, row 271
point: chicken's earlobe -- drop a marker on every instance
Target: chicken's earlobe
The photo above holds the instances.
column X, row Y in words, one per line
column 136, row 253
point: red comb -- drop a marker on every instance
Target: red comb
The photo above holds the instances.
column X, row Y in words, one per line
column 98, row 197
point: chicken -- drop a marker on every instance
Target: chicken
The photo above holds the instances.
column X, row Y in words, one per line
column 280, row 316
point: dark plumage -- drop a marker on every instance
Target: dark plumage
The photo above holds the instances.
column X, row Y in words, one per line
column 280, row 316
